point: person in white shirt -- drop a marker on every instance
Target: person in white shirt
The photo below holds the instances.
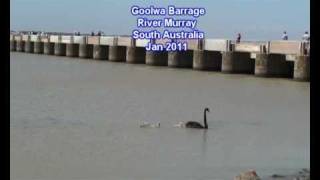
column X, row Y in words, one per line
column 284, row 36
column 306, row 36
column 306, row 39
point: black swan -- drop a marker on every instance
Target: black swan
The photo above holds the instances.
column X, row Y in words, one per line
column 194, row 124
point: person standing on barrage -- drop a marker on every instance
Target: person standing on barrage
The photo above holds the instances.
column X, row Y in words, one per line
column 238, row 38
column 284, row 36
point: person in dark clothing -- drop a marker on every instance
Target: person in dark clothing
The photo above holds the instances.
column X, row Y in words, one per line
column 238, row 38
column 285, row 36
column 92, row 33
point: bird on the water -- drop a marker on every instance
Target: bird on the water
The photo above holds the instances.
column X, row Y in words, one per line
column 195, row 124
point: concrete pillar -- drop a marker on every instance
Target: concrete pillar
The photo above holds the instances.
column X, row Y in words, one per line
column 117, row 53
column 237, row 62
column 206, row 60
column 85, row 51
column 59, row 49
column 135, row 55
column 100, row 52
column 302, row 68
column 157, row 58
column 48, row 48
column 12, row 45
column 180, row 59
column 28, row 46
column 72, row 50
column 271, row 65
column 38, row 47
column 20, row 46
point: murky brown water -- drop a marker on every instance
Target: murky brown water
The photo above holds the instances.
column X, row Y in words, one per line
column 79, row 119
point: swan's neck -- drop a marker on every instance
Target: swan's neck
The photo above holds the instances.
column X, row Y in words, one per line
column 205, row 120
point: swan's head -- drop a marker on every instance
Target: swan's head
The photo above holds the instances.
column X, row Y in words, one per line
column 207, row 109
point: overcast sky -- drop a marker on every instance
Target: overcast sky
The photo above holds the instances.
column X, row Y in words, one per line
column 255, row 19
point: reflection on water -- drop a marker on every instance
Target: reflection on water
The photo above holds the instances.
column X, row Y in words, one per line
column 204, row 144
column 79, row 119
